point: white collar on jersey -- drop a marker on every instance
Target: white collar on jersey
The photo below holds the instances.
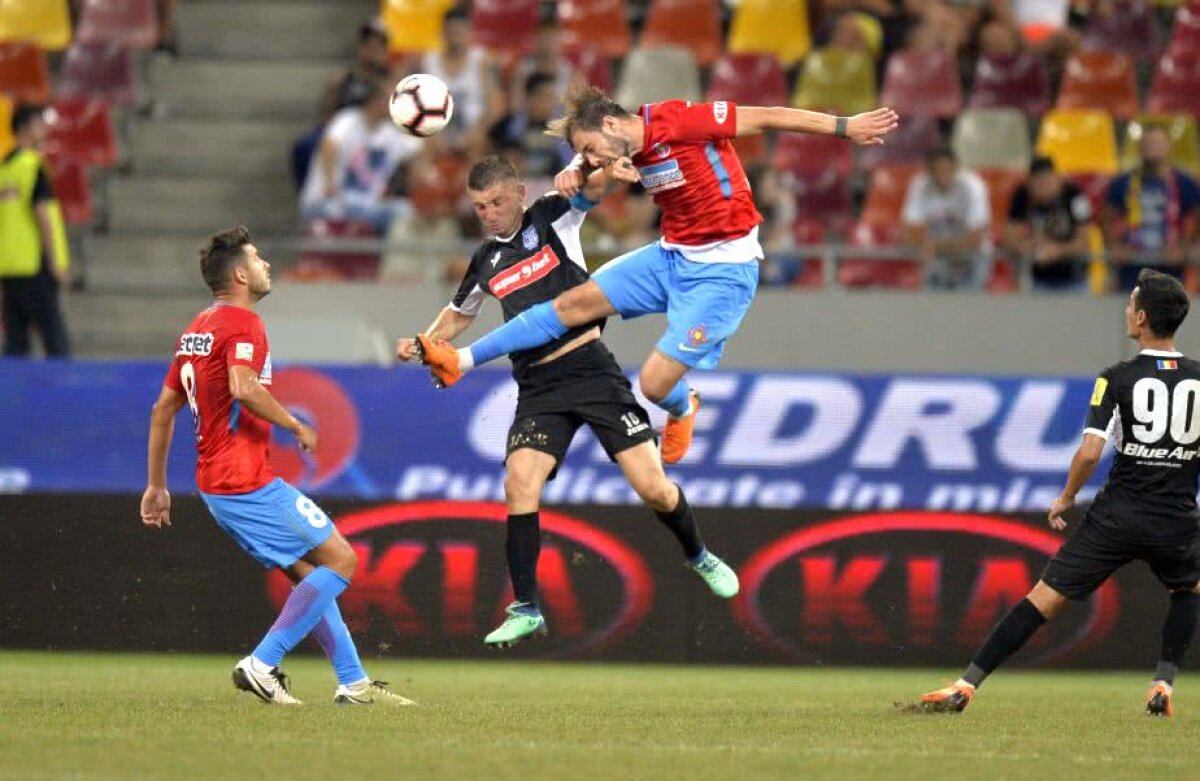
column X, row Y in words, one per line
column 1161, row 354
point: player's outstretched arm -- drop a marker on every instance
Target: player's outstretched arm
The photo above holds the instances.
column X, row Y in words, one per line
column 245, row 388
column 867, row 129
column 156, row 502
column 446, row 327
column 1082, row 466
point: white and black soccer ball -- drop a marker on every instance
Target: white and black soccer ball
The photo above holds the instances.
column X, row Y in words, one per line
column 421, row 104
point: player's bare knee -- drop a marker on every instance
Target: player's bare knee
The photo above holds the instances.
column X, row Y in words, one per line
column 573, row 307
column 1047, row 601
column 653, row 388
column 521, row 487
column 659, row 495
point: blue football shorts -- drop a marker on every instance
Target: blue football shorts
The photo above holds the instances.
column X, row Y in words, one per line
column 276, row 524
column 704, row 302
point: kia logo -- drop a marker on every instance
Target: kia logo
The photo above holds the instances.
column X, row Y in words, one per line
column 433, row 574
column 904, row 582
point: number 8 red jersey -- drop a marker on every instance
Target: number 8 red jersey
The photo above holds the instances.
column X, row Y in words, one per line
column 231, row 442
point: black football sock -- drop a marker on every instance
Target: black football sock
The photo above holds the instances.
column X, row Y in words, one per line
column 1179, row 628
column 1013, row 631
column 523, row 546
column 682, row 523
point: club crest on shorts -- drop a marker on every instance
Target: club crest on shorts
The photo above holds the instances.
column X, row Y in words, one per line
column 697, row 335
column 529, row 239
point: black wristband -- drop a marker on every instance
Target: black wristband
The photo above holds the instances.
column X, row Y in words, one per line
column 841, row 127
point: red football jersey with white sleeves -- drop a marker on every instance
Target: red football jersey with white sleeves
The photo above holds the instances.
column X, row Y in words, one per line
column 689, row 166
column 231, row 441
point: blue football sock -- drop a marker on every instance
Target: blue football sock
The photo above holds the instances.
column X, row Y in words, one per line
column 335, row 640
column 678, row 401
column 304, row 607
column 534, row 327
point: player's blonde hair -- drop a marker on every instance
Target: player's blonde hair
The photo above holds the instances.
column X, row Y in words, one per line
column 586, row 107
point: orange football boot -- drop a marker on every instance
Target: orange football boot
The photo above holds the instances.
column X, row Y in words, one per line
column 442, row 360
column 1158, row 701
column 677, row 435
column 953, row 699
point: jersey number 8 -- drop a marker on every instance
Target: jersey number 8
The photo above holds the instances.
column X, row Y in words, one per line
column 187, row 376
column 1156, row 408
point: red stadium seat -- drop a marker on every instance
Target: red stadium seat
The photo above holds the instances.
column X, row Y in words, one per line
column 1016, row 82
column 896, row 273
column 595, row 24
column 692, row 24
column 102, row 72
column 1185, row 34
column 1176, row 85
column 81, row 130
column 70, row 184
column 922, row 82
column 908, row 143
column 316, row 265
column 130, row 23
column 886, row 192
column 1003, row 278
column 24, row 73
column 1001, row 184
column 595, row 67
column 810, row 274
column 753, row 79
column 800, row 153
column 822, row 194
column 1125, row 27
column 1100, row 80
column 505, row 27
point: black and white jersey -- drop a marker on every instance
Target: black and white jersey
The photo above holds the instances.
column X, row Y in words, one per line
column 1149, row 408
column 542, row 259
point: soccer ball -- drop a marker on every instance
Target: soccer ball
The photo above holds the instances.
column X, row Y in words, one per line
column 421, row 104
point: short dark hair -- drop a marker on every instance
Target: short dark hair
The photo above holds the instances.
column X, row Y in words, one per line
column 537, row 80
column 220, row 254
column 1163, row 299
column 940, row 152
column 25, row 115
column 490, row 171
column 457, row 13
column 1041, row 164
column 586, row 108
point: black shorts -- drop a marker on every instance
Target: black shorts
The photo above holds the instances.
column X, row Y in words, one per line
column 584, row 387
column 1093, row 553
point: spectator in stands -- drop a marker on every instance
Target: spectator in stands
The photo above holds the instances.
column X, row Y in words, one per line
column 546, row 59
column 999, row 39
column 1047, row 228
column 346, row 89
column 359, row 155
column 470, row 75
column 1150, row 213
column 945, row 219
column 33, row 247
column 544, row 155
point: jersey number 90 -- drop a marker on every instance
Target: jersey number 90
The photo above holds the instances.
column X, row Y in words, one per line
column 1156, row 409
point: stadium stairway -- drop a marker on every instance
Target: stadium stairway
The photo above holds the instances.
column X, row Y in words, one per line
column 214, row 153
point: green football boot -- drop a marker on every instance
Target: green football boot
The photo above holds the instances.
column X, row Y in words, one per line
column 719, row 576
column 524, row 621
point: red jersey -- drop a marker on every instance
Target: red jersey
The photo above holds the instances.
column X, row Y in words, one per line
column 689, row 166
column 231, row 442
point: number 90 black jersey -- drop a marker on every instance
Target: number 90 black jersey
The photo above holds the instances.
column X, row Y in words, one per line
column 1149, row 408
column 542, row 259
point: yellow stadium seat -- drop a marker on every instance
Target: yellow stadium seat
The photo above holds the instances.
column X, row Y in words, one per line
column 836, row 80
column 778, row 27
column 47, row 22
column 1079, row 141
column 6, row 138
column 415, row 25
column 1185, row 139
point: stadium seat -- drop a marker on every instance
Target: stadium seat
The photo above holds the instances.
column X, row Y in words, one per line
column 594, row 66
column 1185, row 33
column 1126, row 27
column 992, row 138
column 1094, row 186
column 505, row 27
column 1001, row 184
column 659, row 73
column 130, row 23
column 835, row 80
column 45, row 22
column 1018, row 81
column 899, row 273
column 1176, row 87
column 821, row 194
column 1099, row 80
column 886, row 192
column 693, row 24
column 81, row 130
column 103, row 72
column 318, row 265
column 24, row 73
column 778, row 27
column 908, row 143
column 415, row 25
column 804, row 153
column 922, row 82
column 6, row 138
column 1185, row 140
column 595, row 24
column 1079, row 141
column 753, row 79
column 70, row 184
column 809, row 273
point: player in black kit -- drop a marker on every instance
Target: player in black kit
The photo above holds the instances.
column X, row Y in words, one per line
column 532, row 256
column 1149, row 408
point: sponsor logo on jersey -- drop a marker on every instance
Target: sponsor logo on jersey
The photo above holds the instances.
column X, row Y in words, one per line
column 244, row 351
column 1137, row 450
column 529, row 239
column 1098, row 391
column 195, row 344
column 662, row 176
column 524, row 273
column 720, row 111
column 1168, row 364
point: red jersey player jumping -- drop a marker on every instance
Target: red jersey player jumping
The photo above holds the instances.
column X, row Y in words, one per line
column 703, row 273
column 221, row 370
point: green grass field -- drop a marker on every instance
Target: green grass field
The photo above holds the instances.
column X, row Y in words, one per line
column 95, row 716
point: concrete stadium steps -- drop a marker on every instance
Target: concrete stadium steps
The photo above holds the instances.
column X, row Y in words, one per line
column 151, row 264
column 129, row 325
column 271, row 30
column 173, row 205
column 207, row 147
column 241, row 89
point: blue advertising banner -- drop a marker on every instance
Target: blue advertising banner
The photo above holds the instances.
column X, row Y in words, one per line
column 773, row 440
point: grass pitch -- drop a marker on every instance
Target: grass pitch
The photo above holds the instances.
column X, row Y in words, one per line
column 98, row 716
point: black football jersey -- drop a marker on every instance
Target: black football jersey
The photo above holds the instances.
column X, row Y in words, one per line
column 542, row 259
column 1149, row 408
